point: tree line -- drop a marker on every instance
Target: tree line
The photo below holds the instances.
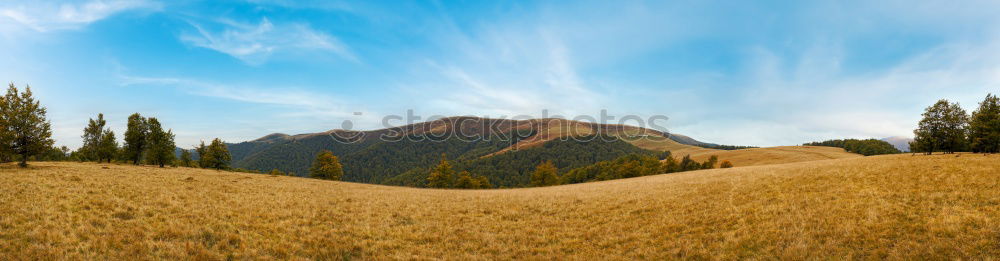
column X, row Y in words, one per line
column 547, row 174
column 867, row 147
column 629, row 166
column 946, row 127
column 25, row 134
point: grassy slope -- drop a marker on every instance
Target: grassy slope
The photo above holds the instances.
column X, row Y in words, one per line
column 895, row 206
column 747, row 157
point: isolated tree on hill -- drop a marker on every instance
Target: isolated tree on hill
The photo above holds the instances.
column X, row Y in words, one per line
column 442, row 176
column 27, row 132
column 185, row 158
column 216, row 155
column 326, row 166
column 135, row 138
column 984, row 127
column 160, row 144
column 943, row 127
column 725, row 164
column 545, row 175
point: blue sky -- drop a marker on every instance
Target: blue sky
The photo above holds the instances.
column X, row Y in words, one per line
column 758, row 73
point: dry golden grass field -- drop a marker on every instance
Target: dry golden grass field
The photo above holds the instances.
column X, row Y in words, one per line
column 747, row 157
column 896, row 207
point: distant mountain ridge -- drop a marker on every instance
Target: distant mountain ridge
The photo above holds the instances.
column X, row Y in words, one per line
column 901, row 143
column 686, row 140
column 382, row 156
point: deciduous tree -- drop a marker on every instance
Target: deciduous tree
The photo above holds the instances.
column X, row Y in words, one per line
column 185, row 158
column 160, row 144
column 710, row 163
column 135, row 138
column 725, row 164
column 984, row 127
column 216, row 155
column 326, row 166
column 107, row 147
column 545, row 175
column 465, row 181
column 92, row 136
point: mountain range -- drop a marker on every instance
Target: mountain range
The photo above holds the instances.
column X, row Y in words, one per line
column 505, row 151
column 901, row 143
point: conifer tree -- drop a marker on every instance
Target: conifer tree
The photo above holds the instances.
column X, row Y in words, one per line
column 984, row 127
column 545, row 175
column 26, row 131
column 135, row 138
column 442, row 176
column 326, row 166
column 160, row 144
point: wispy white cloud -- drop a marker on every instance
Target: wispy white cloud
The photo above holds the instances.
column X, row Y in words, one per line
column 48, row 16
column 787, row 102
column 501, row 70
column 256, row 43
column 306, row 103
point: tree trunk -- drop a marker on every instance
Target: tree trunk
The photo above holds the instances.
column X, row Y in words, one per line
column 24, row 161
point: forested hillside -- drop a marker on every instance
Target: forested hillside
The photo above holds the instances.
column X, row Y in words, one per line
column 513, row 168
column 864, row 147
column 504, row 151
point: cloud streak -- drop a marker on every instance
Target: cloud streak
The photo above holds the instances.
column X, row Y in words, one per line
column 255, row 43
column 45, row 17
column 307, row 103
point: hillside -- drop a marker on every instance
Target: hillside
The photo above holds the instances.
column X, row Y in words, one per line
column 895, row 206
column 367, row 157
column 747, row 157
column 772, row 155
column 504, row 151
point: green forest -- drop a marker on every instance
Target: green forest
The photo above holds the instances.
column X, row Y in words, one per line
column 514, row 168
column 866, row 147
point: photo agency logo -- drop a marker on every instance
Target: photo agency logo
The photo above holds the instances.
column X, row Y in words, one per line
column 437, row 128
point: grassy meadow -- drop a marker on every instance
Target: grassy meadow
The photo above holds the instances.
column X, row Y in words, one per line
column 894, row 206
